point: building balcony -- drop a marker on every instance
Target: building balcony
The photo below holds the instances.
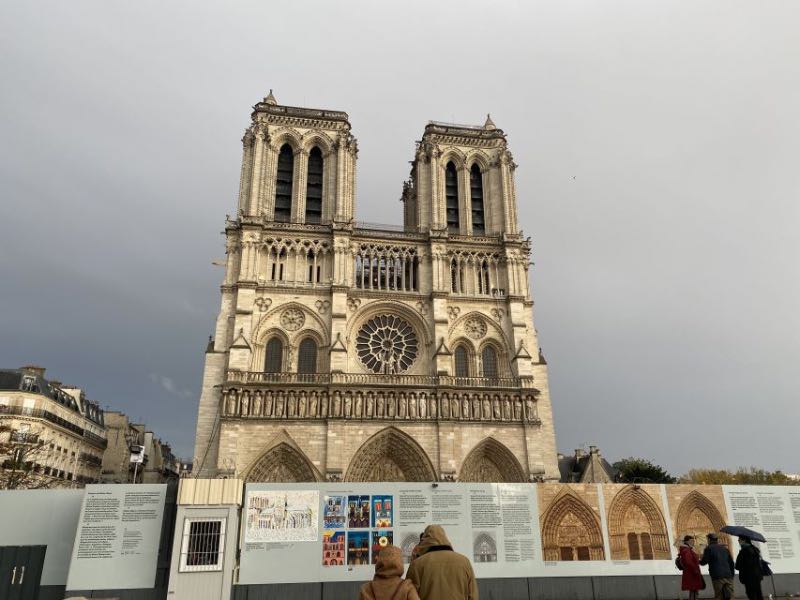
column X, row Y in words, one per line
column 20, row 437
column 375, row 380
column 91, row 459
column 38, row 413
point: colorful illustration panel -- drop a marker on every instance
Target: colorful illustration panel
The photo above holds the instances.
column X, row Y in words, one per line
column 358, row 547
column 380, row 539
column 334, row 512
column 333, row 548
column 382, row 507
column 358, row 512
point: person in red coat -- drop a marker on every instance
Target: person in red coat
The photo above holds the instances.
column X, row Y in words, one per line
column 692, row 579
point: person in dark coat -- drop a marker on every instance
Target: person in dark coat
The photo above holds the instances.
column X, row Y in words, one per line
column 748, row 563
column 692, row 579
column 720, row 567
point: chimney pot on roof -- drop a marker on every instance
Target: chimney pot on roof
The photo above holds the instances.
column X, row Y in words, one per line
column 33, row 370
column 593, row 450
column 578, row 452
column 55, row 383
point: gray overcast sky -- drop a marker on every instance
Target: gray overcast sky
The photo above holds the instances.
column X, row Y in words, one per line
column 658, row 147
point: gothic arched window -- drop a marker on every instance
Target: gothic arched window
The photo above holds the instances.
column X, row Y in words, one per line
column 489, row 362
column 483, row 278
column 283, row 184
column 314, row 187
column 307, row 356
column 273, row 362
column 476, row 193
column 451, row 197
column 462, row 361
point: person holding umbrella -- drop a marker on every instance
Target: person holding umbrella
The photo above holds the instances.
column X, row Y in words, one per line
column 692, row 579
column 748, row 563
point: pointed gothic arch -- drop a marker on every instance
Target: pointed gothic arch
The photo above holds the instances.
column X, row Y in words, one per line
column 633, row 511
column 491, row 462
column 571, row 530
column 283, row 462
column 390, row 455
column 697, row 516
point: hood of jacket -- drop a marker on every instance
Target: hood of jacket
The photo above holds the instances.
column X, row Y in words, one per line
column 432, row 537
column 390, row 563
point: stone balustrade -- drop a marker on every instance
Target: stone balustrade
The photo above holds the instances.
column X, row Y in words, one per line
column 378, row 403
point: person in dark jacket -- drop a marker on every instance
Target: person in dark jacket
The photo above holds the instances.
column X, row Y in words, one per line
column 748, row 563
column 692, row 578
column 720, row 567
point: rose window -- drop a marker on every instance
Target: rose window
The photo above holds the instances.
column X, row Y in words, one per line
column 386, row 344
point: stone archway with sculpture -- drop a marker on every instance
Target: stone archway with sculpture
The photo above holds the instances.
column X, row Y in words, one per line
column 636, row 527
column 281, row 462
column 571, row 530
column 390, row 455
column 491, row 462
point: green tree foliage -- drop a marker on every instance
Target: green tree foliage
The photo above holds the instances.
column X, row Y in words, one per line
column 742, row 476
column 640, row 470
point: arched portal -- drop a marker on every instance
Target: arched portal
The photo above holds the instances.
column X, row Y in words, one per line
column 390, row 455
column 571, row 531
column 284, row 464
column 697, row 516
column 491, row 462
column 636, row 527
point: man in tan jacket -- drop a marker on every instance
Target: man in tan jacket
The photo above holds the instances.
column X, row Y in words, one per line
column 440, row 573
column 388, row 583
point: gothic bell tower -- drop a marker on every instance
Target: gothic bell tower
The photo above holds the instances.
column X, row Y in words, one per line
column 362, row 352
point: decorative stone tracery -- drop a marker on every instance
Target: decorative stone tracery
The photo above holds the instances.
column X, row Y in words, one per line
column 282, row 463
column 387, row 344
column 390, row 455
column 491, row 461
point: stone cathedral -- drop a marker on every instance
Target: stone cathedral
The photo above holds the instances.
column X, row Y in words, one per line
column 349, row 351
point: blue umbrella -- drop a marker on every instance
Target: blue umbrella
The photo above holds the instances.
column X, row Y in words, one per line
column 743, row 532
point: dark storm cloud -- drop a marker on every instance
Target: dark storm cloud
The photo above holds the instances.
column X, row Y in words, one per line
column 657, row 145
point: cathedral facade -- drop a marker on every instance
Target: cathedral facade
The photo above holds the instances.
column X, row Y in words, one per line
column 360, row 352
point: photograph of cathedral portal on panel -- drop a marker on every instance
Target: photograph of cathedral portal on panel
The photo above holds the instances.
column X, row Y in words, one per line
column 569, row 516
column 697, row 511
column 637, row 529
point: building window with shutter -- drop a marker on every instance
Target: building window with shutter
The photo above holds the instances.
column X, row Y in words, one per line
column 462, row 361
column 307, row 356
column 273, row 362
column 203, row 545
column 451, row 197
column 283, row 184
column 314, row 186
column 489, row 362
column 476, row 193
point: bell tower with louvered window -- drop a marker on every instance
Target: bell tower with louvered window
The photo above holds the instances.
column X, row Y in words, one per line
column 358, row 351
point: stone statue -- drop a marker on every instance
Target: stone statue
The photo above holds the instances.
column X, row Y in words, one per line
column 359, row 406
column 336, row 407
column 370, row 405
column 487, row 411
column 465, row 408
column 507, row 409
column 412, row 407
column 529, row 412
column 379, row 410
column 496, row 408
column 348, row 402
column 312, row 409
column 292, row 406
column 302, row 406
column 279, row 406
column 423, row 407
column 401, row 410
column 268, row 405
